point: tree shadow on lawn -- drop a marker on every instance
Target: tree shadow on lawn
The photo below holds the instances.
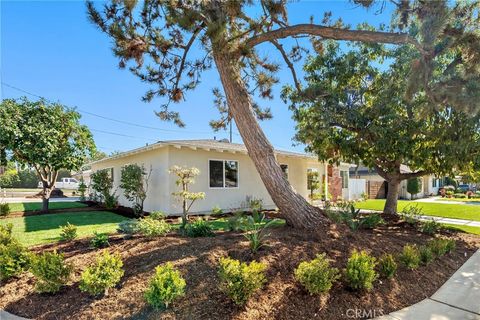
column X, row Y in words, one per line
column 57, row 220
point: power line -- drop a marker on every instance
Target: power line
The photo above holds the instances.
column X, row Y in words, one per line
column 122, row 135
column 111, row 119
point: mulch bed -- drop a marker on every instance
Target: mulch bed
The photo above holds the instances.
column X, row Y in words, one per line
column 281, row 298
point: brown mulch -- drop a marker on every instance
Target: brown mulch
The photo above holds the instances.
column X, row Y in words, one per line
column 281, row 298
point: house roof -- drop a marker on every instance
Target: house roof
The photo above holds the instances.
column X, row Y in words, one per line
column 363, row 170
column 203, row 144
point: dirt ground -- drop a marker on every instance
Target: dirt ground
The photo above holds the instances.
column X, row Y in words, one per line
column 281, row 298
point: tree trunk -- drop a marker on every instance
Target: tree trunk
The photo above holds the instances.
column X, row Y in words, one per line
column 293, row 207
column 46, row 196
column 392, row 197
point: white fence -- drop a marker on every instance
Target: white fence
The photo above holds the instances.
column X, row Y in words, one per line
column 355, row 188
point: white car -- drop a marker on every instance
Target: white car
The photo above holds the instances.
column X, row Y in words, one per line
column 65, row 183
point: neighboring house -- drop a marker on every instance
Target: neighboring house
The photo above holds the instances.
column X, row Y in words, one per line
column 227, row 174
column 377, row 187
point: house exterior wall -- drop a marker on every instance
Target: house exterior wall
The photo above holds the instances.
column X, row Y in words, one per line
column 162, row 184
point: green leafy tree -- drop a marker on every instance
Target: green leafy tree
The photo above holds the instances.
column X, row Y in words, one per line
column 154, row 39
column 45, row 136
column 413, row 186
column 9, row 177
column 134, row 182
column 102, row 183
column 356, row 108
column 186, row 177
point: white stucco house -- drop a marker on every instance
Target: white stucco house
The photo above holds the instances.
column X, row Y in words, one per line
column 227, row 174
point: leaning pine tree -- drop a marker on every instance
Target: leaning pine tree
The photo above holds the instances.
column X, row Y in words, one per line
column 159, row 36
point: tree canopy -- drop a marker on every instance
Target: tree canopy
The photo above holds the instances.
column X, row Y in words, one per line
column 45, row 136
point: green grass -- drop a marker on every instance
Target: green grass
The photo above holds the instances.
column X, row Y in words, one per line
column 467, row 229
column 36, row 206
column 40, row 229
column 455, row 211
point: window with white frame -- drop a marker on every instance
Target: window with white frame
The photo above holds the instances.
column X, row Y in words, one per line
column 344, row 176
column 223, row 173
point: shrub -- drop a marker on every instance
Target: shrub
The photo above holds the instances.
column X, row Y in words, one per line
column 350, row 216
column 157, row 215
column 387, row 266
column 426, row 255
column 82, row 188
column 217, row 210
column 50, row 271
column 69, row 232
column 430, row 227
column 14, row 259
column 459, row 195
column 371, row 221
column 334, row 215
column 165, row 286
column 410, row 256
column 199, row 228
column 413, row 186
column 6, row 234
column 110, row 201
column 4, row 209
column 153, row 228
column 105, row 273
column 128, row 227
column 99, row 240
column 441, row 246
column 410, row 214
column 255, row 232
column 234, row 223
column 134, row 182
column 360, row 272
column 316, row 276
column 240, row 280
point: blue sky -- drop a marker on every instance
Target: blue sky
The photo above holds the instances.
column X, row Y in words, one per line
column 51, row 49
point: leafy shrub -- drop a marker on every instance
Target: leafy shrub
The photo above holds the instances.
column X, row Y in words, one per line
column 153, row 228
column 371, row 221
column 69, row 232
column 426, row 255
column 410, row 256
column 128, row 227
column 82, row 188
column 199, row 228
column 255, row 232
column 240, row 280
column 410, row 214
column 14, row 258
column 360, row 272
column 316, row 276
column 99, row 240
column 441, row 246
column 334, row 215
column 165, row 286
column 4, row 209
column 6, row 234
column 105, row 273
column 50, row 271
column 459, row 195
column 110, row 201
column 430, row 227
column 234, row 223
column 157, row 215
column 217, row 210
column 351, row 217
column 387, row 266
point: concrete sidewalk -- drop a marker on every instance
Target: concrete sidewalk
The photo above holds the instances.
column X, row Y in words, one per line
column 457, row 299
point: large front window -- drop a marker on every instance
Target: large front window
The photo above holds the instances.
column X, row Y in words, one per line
column 344, row 176
column 223, row 173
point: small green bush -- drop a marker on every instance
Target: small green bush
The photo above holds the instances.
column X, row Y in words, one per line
column 441, row 246
column 165, row 286
column 153, row 228
column 217, row 210
column 50, row 270
column 371, row 221
column 105, row 273
column 410, row 214
column 430, row 227
column 99, row 240
column 110, row 201
column 460, row 195
column 6, row 234
column 360, row 273
column 240, row 280
column 410, row 256
column 69, row 232
column 387, row 266
column 157, row 215
column 128, row 227
column 199, row 228
column 334, row 215
column 256, row 232
column 426, row 255
column 317, row 276
column 4, row 209
column 14, row 258
column 234, row 223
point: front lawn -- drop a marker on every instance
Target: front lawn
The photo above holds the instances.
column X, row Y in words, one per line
column 36, row 206
column 40, row 229
column 455, row 211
